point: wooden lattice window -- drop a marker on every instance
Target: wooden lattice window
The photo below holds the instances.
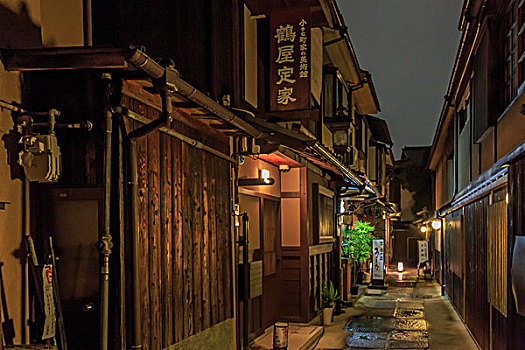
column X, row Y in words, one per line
column 497, row 246
column 521, row 41
column 511, row 54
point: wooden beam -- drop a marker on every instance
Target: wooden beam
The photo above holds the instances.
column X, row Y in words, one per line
column 63, row 59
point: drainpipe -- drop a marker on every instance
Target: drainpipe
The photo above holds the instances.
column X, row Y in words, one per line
column 104, row 244
column 164, row 120
column 246, row 285
column 170, row 79
column 366, row 184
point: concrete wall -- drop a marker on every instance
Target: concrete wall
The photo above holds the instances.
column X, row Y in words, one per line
column 219, row 336
column 19, row 27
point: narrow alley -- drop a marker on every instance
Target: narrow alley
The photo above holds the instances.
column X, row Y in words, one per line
column 409, row 314
column 262, row 174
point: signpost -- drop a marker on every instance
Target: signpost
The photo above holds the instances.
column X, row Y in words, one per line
column 378, row 263
column 422, row 248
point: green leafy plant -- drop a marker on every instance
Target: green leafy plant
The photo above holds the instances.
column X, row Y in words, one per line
column 330, row 294
column 356, row 244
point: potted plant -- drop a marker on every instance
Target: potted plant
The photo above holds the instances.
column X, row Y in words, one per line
column 356, row 245
column 330, row 296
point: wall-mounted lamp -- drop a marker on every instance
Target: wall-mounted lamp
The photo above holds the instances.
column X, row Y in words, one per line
column 436, row 224
column 265, row 175
column 264, row 179
column 423, row 229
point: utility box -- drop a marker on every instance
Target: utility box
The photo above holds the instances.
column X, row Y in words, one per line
column 41, row 158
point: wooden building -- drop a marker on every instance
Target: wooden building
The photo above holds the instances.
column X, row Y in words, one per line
column 477, row 163
column 327, row 144
column 144, row 216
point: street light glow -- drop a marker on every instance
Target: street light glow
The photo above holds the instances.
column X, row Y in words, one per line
column 436, row 224
column 424, row 229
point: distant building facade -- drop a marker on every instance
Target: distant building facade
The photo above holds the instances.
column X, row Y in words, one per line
column 412, row 191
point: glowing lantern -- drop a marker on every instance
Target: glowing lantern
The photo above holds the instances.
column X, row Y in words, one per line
column 436, row 224
column 400, row 267
column 424, row 229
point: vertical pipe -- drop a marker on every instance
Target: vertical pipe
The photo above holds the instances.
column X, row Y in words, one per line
column 88, row 23
column 442, row 239
column 137, row 327
column 105, row 244
column 27, row 234
column 246, row 288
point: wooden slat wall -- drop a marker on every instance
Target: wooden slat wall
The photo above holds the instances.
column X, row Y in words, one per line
column 515, row 323
column 184, row 201
column 476, row 306
column 488, row 324
column 454, row 259
column 497, row 255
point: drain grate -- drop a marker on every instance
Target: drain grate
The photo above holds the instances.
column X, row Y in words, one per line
column 408, row 324
column 409, row 313
column 407, row 340
column 371, row 324
column 367, row 340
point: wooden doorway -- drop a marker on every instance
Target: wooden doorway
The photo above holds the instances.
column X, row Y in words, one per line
column 271, row 243
column 74, row 218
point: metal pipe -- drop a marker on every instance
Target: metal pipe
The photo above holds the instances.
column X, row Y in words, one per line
column 27, row 235
column 137, row 322
column 105, row 243
column 165, row 118
column 246, row 285
column 347, row 172
column 181, row 137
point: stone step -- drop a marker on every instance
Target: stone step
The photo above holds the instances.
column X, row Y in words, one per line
column 300, row 337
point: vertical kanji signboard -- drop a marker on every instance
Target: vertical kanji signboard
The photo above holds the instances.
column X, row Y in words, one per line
column 290, row 59
column 378, row 259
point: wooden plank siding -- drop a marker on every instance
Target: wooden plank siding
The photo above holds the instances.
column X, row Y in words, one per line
column 185, row 234
column 479, row 284
column 515, row 324
column 476, row 305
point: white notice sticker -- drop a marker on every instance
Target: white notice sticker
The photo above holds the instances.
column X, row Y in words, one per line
column 49, row 302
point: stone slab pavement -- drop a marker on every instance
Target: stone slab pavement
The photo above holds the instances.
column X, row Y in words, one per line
column 410, row 314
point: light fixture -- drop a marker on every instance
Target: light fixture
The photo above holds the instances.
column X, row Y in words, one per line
column 265, row 175
column 436, row 224
column 423, row 229
column 507, row 198
column 400, row 267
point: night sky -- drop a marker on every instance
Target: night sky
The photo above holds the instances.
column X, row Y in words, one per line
column 409, row 46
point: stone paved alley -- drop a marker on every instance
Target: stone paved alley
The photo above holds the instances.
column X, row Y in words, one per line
column 410, row 314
